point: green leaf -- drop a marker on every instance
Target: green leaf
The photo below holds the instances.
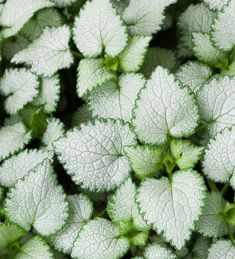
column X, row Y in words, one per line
column 82, row 115
column 170, row 108
column 221, row 249
column 100, row 239
column 94, row 156
column 172, row 206
column 186, row 154
column 229, row 213
column 94, row 33
column 37, row 201
column 145, row 160
column 92, row 73
column 211, row 222
column 116, row 99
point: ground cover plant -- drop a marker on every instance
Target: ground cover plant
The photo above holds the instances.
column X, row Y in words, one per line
column 117, row 135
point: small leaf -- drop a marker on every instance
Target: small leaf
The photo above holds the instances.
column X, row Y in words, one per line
column 20, row 86
column 37, row 201
column 94, row 155
column 158, row 57
column 131, row 58
column 221, row 249
column 205, row 51
column 216, row 4
column 194, row 75
column 92, row 73
column 222, row 29
column 216, row 103
column 49, row 94
column 82, row 115
column 200, row 248
column 122, row 206
column 35, row 248
column 171, row 109
column 54, row 130
column 80, row 212
column 211, row 222
column 219, row 159
column 186, row 154
column 16, row 13
column 172, row 206
column 94, row 30
column 144, row 17
column 154, row 251
column 100, row 239
column 13, row 138
column 145, row 160
column 18, row 166
column 48, row 53
column 10, row 233
column 116, row 99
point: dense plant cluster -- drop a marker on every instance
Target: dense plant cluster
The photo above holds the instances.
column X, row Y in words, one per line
column 117, row 135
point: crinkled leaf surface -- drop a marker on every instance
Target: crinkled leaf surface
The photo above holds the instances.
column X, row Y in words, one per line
column 194, row 75
column 63, row 3
column 100, row 239
column 154, row 251
column 94, row 155
column 16, row 13
column 13, row 138
column 94, row 31
column 37, row 201
column 145, row 160
column 19, row 165
column 211, row 222
column 80, row 212
column 144, row 17
column 164, row 108
column 116, row 99
column 216, row 100
column 216, row 4
column 92, row 73
column 222, row 249
column 20, row 86
column 48, row 53
column 172, row 206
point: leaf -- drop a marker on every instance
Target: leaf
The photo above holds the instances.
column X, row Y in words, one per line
column 205, row 51
column 158, row 57
column 80, row 212
column 222, row 31
column 34, row 248
column 37, row 201
column 222, row 249
column 20, row 86
column 172, row 206
column 13, row 138
column 170, row 108
column 154, row 251
column 200, row 248
column 48, row 53
column 94, row 32
column 10, row 233
column 145, row 17
column 219, row 160
column 122, row 205
column 116, row 99
column 145, row 160
column 216, row 4
column 132, row 57
column 16, row 13
column 186, row 154
column 120, row 5
column 211, row 222
column 82, row 115
column 92, row 73
column 94, row 155
column 49, row 94
column 216, row 103
column 100, row 239
column 18, row 166
column 194, row 74
column 63, row 3
column 35, row 26
column 54, row 130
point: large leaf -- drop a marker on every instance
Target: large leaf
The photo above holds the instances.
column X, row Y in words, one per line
column 94, row 155
column 164, row 108
column 172, row 206
column 221, row 249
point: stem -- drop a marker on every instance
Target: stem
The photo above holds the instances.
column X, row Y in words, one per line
column 230, row 233
column 77, row 54
column 212, row 186
column 225, row 188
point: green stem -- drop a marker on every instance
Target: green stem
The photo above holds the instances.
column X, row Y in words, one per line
column 225, row 188
column 77, row 54
column 212, row 186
